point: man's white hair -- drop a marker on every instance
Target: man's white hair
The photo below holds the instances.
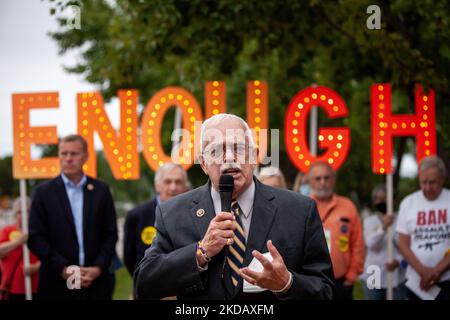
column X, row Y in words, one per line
column 271, row 171
column 433, row 162
column 162, row 170
column 216, row 119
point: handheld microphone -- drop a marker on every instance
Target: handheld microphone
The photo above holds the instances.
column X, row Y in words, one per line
column 226, row 186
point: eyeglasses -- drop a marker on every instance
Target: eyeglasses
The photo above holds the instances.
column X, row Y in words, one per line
column 219, row 150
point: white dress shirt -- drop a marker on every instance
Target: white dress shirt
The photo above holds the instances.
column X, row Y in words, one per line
column 245, row 201
column 76, row 200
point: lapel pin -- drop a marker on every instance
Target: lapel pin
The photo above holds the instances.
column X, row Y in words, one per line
column 200, row 213
column 90, row 187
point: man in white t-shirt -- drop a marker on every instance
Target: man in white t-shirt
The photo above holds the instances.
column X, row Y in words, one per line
column 424, row 229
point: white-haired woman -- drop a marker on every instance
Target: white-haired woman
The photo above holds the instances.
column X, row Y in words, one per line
column 272, row 176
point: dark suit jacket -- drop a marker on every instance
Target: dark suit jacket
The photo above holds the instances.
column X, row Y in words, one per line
column 52, row 237
column 289, row 219
column 137, row 220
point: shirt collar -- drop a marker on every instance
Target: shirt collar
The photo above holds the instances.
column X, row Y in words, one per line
column 69, row 183
column 332, row 200
column 245, row 199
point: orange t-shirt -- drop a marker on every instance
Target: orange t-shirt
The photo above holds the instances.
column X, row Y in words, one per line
column 9, row 262
column 343, row 231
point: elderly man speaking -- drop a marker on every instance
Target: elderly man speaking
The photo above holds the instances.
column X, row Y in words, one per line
column 201, row 252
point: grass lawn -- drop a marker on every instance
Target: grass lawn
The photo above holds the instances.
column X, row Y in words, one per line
column 124, row 285
column 358, row 293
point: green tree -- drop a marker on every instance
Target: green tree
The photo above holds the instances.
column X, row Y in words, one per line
column 8, row 187
column 292, row 44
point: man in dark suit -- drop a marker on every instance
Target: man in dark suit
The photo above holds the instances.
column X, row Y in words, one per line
column 73, row 229
column 170, row 180
column 201, row 252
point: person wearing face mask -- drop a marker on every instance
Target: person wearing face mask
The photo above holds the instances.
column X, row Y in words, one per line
column 301, row 184
column 375, row 235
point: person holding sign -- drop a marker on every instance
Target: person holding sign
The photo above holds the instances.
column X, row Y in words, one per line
column 376, row 228
column 424, row 228
column 12, row 286
column 73, row 230
column 342, row 227
column 235, row 238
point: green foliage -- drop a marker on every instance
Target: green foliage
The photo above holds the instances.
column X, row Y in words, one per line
column 124, row 285
column 292, row 44
column 7, row 185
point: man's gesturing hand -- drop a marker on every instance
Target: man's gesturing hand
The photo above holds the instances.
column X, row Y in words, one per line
column 275, row 275
column 220, row 233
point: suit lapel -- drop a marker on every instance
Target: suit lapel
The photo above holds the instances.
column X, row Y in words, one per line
column 202, row 211
column 203, row 202
column 261, row 222
column 65, row 204
column 262, row 218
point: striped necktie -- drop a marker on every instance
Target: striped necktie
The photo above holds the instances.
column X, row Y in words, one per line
column 236, row 252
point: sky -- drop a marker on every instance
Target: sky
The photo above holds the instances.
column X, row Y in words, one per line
column 29, row 62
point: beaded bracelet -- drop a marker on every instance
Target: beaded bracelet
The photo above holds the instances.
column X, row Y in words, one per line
column 202, row 251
